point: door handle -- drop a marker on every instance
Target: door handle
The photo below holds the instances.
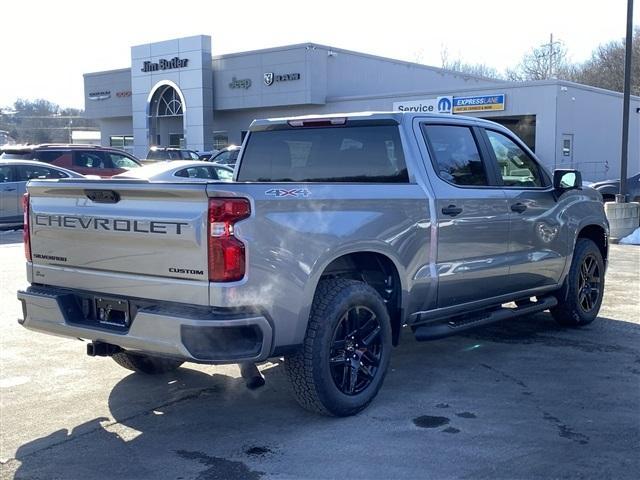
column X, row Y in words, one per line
column 9, row 189
column 518, row 207
column 452, row 210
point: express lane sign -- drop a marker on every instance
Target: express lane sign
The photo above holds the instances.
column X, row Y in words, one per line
column 478, row 103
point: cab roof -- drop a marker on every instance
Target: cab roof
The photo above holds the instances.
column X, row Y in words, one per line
column 352, row 118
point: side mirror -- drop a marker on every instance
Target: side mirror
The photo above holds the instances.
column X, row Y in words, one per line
column 567, row 180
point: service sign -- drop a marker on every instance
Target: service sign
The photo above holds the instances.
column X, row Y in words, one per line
column 479, row 103
column 440, row 105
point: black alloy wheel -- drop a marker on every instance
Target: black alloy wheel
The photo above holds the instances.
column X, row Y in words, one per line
column 356, row 350
column 589, row 283
column 341, row 364
column 581, row 295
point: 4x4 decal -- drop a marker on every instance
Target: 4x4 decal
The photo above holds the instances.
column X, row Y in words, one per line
column 288, row 192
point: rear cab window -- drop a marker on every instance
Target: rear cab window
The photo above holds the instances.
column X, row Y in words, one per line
column 367, row 153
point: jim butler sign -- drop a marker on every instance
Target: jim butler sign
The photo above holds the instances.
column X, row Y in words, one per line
column 164, row 64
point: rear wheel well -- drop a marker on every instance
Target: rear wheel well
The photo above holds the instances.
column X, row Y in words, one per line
column 597, row 235
column 378, row 271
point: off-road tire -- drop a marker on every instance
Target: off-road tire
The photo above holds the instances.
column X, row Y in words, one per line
column 569, row 311
column 145, row 363
column 308, row 368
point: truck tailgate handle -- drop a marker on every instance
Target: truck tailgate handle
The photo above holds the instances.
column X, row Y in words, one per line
column 518, row 207
column 102, row 196
column 452, row 210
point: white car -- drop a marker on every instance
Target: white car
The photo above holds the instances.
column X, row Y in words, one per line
column 14, row 175
column 180, row 170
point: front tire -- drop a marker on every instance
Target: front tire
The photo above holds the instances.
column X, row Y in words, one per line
column 145, row 363
column 580, row 298
column 344, row 358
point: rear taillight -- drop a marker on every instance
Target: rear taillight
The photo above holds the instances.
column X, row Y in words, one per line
column 26, row 236
column 226, row 252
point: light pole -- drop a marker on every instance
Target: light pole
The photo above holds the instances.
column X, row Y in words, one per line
column 622, row 197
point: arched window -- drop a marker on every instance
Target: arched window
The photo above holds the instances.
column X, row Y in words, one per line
column 169, row 103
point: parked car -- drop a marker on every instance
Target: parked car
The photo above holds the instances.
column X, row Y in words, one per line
column 170, row 153
column 609, row 188
column 83, row 159
column 206, row 155
column 14, row 175
column 338, row 231
column 178, row 170
column 227, row 156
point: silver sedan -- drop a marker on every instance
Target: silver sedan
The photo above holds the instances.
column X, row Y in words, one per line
column 14, row 175
column 180, row 170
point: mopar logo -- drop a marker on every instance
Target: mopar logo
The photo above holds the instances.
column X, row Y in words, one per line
column 444, row 105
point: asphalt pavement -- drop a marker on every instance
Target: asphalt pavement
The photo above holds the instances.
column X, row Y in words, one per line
column 521, row 399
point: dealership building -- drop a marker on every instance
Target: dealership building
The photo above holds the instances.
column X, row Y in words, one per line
column 176, row 93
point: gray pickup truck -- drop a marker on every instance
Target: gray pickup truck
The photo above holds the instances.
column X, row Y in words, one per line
column 337, row 232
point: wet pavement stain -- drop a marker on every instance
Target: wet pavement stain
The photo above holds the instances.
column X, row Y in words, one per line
column 565, row 431
column 527, row 333
column 451, row 430
column 258, row 451
column 427, row 421
column 220, row 468
column 466, row 415
column 442, row 405
column 515, row 380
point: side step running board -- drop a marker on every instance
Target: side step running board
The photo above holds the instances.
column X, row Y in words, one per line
column 433, row 331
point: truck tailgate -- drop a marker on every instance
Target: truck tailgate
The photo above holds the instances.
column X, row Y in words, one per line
column 127, row 228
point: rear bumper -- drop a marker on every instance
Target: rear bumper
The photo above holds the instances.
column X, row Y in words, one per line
column 173, row 330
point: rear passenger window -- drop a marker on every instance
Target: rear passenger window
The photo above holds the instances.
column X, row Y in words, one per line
column 456, row 155
column 325, row 154
column 195, row 172
column 49, row 156
column 6, row 174
column 31, row 172
column 89, row 160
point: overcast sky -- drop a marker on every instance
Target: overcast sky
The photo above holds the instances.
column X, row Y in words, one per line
column 47, row 46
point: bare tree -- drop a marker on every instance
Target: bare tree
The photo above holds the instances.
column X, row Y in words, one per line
column 41, row 121
column 541, row 63
column 475, row 69
column 605, row 68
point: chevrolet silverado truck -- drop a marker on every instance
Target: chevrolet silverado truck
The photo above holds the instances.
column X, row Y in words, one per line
column 336, row 232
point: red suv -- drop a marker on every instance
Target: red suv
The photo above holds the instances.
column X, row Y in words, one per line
column 84, row 159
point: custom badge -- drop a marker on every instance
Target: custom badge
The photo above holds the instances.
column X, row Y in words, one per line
column 268, row 79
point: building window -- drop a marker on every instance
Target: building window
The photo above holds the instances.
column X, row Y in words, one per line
column 220, row 140
column 169, row 104
column 123, row 142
